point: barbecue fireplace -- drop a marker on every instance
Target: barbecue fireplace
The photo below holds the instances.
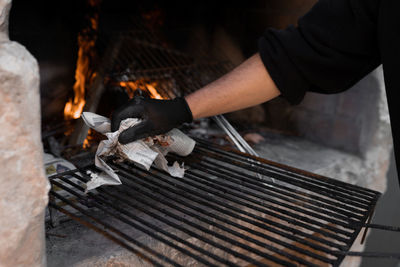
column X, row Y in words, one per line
column 225, row 211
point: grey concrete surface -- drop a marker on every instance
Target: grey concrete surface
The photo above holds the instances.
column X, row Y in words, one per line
column 388, row 213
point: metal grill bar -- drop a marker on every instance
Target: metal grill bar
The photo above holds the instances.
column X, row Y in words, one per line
column 271, row 198
column 288, row 216
column 105, row 233
column 221, row 213
column 153, row 227
column 276, row 191
column 207, row 213
column 284, row 174
column 202, row 200
column 123, row 200
column 131, row 216
column 231, row 153
column 339, row 191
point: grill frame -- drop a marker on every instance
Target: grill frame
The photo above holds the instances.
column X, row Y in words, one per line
column 253, row 194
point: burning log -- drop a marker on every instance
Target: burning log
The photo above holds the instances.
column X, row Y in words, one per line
column 95, row 92
column 150, row 87
column 84, row 72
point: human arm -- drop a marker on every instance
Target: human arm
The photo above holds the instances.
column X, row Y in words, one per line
column 333, row 47
column 247, row 85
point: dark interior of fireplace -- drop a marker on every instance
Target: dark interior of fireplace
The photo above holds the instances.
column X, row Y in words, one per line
column 178, row 25
column 210, row 27
column 52, row 33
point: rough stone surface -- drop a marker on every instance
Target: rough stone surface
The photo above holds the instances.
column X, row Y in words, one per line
column 5, row 6
column 367, row 171
column 346, row 121
column 23, row 186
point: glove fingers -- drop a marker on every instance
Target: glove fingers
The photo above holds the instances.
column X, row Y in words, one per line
column 134, row 133
column 128, row 111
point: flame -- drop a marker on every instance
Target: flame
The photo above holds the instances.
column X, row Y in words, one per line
column 83, row 73
column 142, row 85
column 73, row 108
column 89, row 139
column 86, row 143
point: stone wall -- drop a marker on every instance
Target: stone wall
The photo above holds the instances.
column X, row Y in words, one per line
column 23, row 186
column 347, row 121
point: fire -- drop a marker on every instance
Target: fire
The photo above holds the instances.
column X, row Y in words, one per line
column 86, row 143
column 83, row 73
column 89, row 139
column 73, row 108
column 142, row 85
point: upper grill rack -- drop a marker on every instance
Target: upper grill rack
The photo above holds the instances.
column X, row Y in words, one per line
column 140, row 54
column 138, row 59
column 221, row 212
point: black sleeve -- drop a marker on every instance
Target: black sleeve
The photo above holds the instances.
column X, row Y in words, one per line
column 334, row 45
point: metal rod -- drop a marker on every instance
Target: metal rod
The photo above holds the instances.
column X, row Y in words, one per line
column 238, row 145
column 130, row 215
column 371, row 254
column 220, row 191
column 193, row 193
column 229, row 211
column 365, row 193
column 331, row 190
column 232, row 175
column 238, row 137
column 152, row 227
column 239, row 198
column 125, row 201
column 149, row 193
column 293, row 192
column 208, row 169
column 383, row 227
column 111, row 228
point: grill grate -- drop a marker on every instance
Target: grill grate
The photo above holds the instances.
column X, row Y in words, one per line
column 225, row 211
column 143, row 57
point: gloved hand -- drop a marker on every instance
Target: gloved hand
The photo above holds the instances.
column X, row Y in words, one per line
column 158, row 117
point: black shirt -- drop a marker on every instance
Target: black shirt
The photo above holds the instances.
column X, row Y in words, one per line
column 336, row 44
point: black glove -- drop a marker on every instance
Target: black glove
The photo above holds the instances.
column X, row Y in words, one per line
column 158, row 117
